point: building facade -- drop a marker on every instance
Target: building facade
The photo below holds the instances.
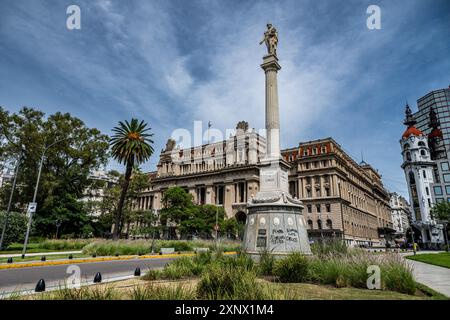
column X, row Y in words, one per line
column 343, row 199
column 92, row 196
column 400, row 213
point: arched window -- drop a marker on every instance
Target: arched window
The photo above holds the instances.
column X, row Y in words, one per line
column 421, row 144
column 319, row 224
column 329, row 224
column 406, row 146
column 310, row 224
column 423, row 153
column 408, row 156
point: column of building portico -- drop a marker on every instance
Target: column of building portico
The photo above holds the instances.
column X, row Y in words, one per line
column 193, row 192
column 229, row 199
column 209, row 195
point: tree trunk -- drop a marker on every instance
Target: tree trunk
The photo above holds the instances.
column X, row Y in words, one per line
column 119, row 212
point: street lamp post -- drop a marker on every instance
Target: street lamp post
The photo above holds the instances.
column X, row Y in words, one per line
column 8, row 209
column 35, row 193
column 216, row 227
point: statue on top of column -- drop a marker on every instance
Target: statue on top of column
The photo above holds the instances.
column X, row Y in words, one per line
column 271, row 39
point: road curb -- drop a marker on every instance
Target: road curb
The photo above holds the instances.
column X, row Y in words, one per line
column 100, row 259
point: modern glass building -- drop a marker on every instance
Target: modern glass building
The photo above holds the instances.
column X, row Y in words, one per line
column 439, row 101
column 433, row 119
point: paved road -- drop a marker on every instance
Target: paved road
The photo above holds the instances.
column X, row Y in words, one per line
column 26, row 278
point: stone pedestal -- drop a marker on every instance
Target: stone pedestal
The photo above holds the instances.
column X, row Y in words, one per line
column 274, row 222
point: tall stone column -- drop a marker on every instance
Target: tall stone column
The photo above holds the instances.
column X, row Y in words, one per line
column 275, row 221
column 270, row 66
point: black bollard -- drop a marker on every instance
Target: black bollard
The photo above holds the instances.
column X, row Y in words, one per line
column 40, row 286
column 23, row 256
column 94, row 255
column 43, row 258
column 98, row 277
column 70, row 257
column 137, row 272
column 10, row 260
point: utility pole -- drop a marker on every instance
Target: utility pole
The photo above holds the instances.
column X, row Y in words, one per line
column 8, row 209
column 35, row 193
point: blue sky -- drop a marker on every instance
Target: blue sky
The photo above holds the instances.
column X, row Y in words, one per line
column 171, row 62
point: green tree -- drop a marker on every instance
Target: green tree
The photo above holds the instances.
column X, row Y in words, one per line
column 441, row 212
column 66, row 166
column 17, row 224
column 131, row 144
column 176, row 205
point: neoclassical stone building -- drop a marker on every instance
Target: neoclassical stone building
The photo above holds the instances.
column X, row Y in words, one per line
column 343, row 199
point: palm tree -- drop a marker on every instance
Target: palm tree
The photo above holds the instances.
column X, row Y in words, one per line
column 131, row 144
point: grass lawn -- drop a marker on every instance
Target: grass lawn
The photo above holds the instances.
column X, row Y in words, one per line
column 48, row 258
column 438, row 259
column 126, row 290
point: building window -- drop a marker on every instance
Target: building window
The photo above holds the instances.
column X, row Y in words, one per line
column 327, row 190
column 437, row 190
column 329, row 224
column 424, row 174
column 319, row 224
column 317, row 192
column 309, row 208
column 318, row 208
column 428, row 191
column 328, row 206
column 423, row 153
column 310, row 224
column 446, row 177
column 307, row 165
column 447, row 189
column 308, row 193
column 444, row 166
column 408, row 156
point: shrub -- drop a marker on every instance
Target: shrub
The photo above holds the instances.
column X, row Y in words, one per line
column 293, row 268
column 221, row 281
column 16, row 227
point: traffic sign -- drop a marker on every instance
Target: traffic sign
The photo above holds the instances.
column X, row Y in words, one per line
column 31, row 208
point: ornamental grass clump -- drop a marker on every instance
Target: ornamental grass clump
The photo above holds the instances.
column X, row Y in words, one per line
column 70, row 244
column 397, row 275
column 225, row 282
column 162, row 292
column 327, row 247
column 293, row 268
column 83, row 293
column 122, row 247
column 266, row 263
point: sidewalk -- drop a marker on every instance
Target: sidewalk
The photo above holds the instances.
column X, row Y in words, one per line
column 435, row 277
column 15, row 255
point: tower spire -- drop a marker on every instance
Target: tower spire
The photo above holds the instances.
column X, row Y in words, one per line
column 409, row 120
